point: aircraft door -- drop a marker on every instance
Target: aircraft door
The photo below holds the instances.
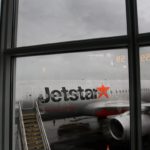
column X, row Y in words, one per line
column 27, row 103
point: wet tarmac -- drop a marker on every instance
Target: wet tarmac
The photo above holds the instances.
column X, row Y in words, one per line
column 79, row 135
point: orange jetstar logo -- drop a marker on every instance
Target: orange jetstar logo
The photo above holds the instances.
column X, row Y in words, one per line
column 103, row 91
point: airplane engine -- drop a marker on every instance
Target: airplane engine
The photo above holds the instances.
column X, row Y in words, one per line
column 118, row 128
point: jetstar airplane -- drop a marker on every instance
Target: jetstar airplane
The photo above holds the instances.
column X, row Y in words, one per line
column 107, row 100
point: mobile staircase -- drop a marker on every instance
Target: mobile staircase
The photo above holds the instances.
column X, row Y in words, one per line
column 33, row 134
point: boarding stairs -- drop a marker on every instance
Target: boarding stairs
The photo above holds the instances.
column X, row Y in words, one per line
column 33, row 134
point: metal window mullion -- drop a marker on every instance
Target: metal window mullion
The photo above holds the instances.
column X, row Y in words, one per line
column 14, row 23
column 144, row 39
column 74, row 46
column 7, row 35
column 1, row 97
column 134, row 75
column 6, row 104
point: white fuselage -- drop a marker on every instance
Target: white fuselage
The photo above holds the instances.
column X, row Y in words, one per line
column 67, row 98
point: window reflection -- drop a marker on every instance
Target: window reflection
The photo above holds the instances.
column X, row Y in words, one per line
column 145, row 80
column 50, row 21
column 75, row 95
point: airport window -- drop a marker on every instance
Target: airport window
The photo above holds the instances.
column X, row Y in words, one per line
column 79, row 29
column 145, row 78
column 72, row 85
column 52, row 21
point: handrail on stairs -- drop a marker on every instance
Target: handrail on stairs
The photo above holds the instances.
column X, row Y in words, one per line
column 41, row 126
column 22, row 128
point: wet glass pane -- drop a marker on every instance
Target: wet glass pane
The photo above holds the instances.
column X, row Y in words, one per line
column 143, row 15
column 50, row 21
column 145, row 92
column 80, row 100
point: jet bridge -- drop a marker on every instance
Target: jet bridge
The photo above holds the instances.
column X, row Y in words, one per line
column 33, row 135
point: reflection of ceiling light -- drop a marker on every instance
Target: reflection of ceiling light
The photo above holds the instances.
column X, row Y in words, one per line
column 124, row 66
column 108, row 55
column 112, row 63
column 96, row 55
column 43, row 69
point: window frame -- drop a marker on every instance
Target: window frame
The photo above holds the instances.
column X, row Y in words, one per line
column 8, row 53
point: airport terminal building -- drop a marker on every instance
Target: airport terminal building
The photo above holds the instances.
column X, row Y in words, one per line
column 74, row 75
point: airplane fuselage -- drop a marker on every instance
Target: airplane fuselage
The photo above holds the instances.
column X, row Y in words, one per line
column 71, row 101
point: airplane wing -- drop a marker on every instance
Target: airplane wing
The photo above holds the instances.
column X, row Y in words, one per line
column 111, row 108
column 104, row 108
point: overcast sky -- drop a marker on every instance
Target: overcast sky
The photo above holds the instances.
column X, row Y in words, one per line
column 49, row 21
column 144, row 15
column 74, row 66
column 96, row 65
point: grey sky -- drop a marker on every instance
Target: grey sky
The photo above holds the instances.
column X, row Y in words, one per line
column 96, row 65
column 74, row 66
column 49, row 21
column 144, row 15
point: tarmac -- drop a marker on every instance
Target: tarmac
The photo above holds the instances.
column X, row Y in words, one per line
column 79, row 135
